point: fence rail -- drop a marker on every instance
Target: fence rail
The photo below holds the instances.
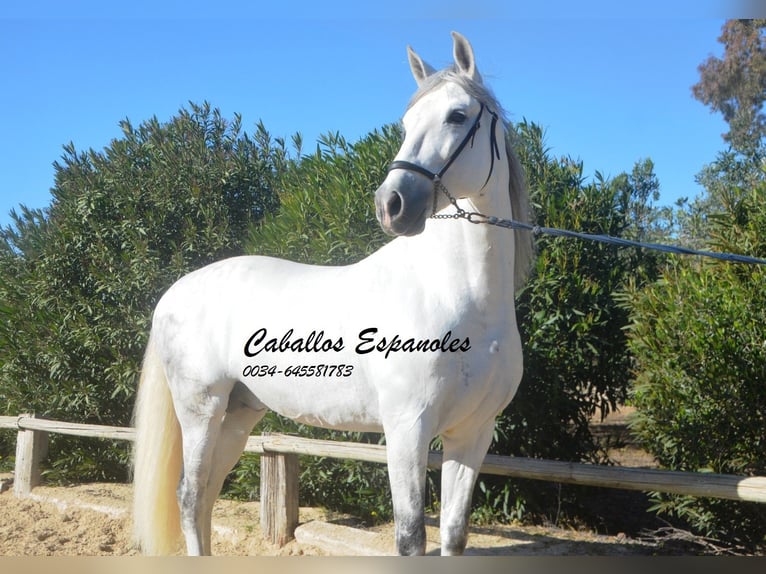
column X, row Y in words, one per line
column 279, row 469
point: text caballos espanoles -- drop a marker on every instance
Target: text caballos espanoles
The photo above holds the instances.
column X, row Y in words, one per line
column 368, row 341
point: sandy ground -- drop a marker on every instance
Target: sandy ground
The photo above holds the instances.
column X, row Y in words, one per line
column 93, row 520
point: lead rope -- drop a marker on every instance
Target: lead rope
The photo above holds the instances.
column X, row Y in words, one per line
column 536, row 230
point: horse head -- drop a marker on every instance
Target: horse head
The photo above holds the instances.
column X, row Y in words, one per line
column 450, row 142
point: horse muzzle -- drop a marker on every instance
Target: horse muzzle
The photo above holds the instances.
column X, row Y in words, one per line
column 402, row 211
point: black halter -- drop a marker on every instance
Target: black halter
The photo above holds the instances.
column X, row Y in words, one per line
column 469, row 137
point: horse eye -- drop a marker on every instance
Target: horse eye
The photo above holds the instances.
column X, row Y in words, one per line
column 456, row 117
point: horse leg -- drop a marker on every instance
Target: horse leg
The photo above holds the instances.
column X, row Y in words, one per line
column 200, row 416
column 464, row 450
column 215, row 427
column 407, row 452
column 238, row 422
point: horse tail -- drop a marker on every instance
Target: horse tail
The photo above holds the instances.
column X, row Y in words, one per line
column 157, row 461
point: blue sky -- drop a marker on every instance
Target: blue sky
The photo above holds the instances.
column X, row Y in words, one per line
column 609, row 88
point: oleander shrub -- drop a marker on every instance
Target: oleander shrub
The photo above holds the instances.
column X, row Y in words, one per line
column 79, row 279
column 698, row 335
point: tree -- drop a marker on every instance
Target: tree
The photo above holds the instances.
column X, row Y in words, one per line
column 78, row 282
column 736, row 87
column 736, row 84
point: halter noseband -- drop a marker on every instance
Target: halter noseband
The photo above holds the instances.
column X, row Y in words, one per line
column 469, row 137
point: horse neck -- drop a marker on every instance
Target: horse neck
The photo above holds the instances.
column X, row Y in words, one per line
column 475, row 261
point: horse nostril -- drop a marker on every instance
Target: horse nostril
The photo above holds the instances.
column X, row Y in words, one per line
column 394, row 205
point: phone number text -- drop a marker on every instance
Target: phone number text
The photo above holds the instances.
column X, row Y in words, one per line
column 298, row 371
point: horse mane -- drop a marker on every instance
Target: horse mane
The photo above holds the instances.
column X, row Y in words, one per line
column 517, row 185
column 524, row 247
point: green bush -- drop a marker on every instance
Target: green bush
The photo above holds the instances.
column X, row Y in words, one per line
column 78, row 281
column 699, row 338
column 576, row 361
column 326, row 214
column 699, row 333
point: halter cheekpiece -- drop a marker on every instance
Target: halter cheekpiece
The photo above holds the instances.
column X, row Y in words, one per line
column 436, row 177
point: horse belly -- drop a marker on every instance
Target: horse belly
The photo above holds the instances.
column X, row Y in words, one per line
column 337, row 402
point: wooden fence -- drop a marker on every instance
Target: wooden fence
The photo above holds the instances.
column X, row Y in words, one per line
column 279, row 469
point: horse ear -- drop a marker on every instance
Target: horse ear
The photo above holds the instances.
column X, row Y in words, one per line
column 463, row 53
column 419, row 68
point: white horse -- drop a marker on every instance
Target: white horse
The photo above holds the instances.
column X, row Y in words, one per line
column 417, row 340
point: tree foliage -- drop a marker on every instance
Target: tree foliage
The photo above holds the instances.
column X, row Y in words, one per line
column 735, row 85
column 78, row 282
column 698, row 337
column 575, row 360
column 326, row 214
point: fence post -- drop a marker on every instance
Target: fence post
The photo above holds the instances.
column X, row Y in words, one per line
column 279, row 497
column 31, row 447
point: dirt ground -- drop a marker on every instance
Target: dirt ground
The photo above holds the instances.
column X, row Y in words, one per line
column 93, row 520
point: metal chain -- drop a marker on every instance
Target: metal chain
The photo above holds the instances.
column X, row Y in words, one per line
column 459, row 211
